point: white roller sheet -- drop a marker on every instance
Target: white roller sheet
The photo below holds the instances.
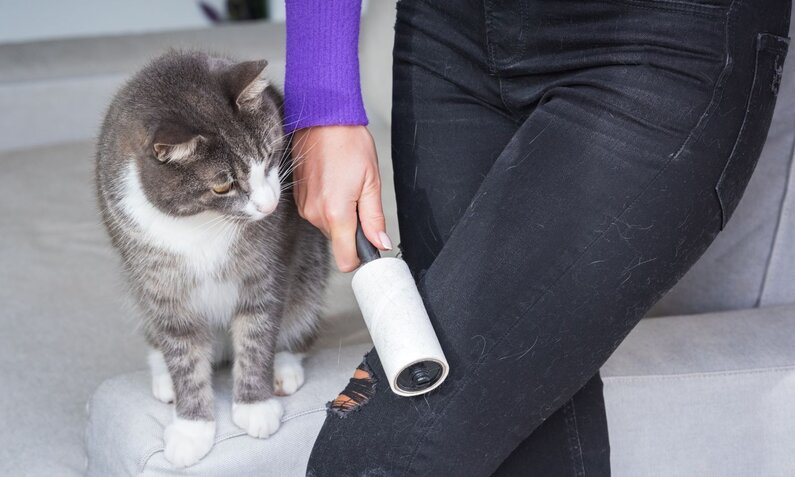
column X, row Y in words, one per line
column 396, row 318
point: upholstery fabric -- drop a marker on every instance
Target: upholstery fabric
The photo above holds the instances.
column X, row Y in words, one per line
column 125, row 427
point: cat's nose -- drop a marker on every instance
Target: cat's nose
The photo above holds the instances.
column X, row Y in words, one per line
column 267, row 208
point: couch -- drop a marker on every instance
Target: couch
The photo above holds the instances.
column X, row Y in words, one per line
column 704, row 386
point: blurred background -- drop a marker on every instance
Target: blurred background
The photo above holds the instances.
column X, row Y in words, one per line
column 53, row 19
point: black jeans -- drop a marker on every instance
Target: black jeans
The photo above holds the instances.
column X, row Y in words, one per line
column 559, row 165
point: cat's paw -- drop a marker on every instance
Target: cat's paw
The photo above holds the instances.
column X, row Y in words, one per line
column 258, row 419
column 188, row 441
column 163, row 388
column 288, row 373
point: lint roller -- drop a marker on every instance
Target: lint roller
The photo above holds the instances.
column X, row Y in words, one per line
column 399, row 326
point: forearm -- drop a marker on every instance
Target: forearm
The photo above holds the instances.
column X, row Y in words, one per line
column 322, row 81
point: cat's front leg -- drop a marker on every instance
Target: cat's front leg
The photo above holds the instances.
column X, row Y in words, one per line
column 186, row 350
column 162, row 385
column 254, row 409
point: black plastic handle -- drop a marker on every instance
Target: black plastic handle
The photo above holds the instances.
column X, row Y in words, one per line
column 367, row 252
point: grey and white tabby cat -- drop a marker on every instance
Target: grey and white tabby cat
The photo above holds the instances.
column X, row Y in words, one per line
column 190, row 171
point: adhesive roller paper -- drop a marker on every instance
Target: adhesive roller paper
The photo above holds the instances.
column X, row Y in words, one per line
column 397, row 320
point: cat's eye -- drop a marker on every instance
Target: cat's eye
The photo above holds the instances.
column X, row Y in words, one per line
column 222, row 189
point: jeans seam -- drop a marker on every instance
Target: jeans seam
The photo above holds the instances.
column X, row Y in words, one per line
column 749, row 105
column 503, row 98
column 575, row 444
column 706, row 115
column 489, row 44
column 511, row 59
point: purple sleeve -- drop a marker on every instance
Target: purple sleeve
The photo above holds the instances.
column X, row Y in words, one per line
column 321, row 85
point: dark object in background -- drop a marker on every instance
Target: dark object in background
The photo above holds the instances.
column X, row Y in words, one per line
column 246, row 9
column 236, row 10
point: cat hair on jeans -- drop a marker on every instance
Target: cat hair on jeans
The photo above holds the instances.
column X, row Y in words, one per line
column 192, row 177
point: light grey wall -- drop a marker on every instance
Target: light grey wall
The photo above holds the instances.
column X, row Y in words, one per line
column 47, row 19
column 57, row 91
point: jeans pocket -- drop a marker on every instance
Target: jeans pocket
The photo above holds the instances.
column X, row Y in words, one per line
column 770, row 53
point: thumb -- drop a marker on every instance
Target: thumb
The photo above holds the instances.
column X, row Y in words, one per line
column 371, row 215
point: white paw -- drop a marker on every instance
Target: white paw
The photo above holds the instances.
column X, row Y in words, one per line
column 288, row 373
column 258, row 419
column 163, row 388
column 188, row 441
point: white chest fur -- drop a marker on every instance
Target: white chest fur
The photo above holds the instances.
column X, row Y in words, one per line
column 215, row 299
column 203, row 240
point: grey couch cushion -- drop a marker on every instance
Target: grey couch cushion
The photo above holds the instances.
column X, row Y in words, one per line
column 61, row 330
column 699, row 395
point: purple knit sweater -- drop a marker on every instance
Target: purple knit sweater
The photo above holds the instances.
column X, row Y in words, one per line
column 321, row 86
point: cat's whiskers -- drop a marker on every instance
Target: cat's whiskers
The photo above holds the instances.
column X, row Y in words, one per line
column 296, row 161
column 213, row 220
column 289, row 147
column 300, row 117
column 286, row 185
column 214, row 228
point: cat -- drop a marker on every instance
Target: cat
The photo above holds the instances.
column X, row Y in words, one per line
column 191, row 167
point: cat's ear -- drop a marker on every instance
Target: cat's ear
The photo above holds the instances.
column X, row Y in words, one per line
column 244, row 83
column 174, row 143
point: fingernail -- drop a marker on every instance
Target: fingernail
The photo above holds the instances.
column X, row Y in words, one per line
column 384, row 238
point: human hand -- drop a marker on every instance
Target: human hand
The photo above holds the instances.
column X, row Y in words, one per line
column 336, row 172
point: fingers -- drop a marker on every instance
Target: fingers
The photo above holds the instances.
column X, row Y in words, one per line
column 341, row 224
column 371, row 215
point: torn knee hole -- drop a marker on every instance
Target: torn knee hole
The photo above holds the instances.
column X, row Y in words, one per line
column 360, row 388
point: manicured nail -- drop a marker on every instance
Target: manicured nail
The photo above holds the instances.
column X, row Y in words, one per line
column 384, row 238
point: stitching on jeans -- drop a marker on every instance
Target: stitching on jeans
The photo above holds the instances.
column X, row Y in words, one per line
column 525, row 16
column 503, row 98
column 573, row 432
column 524, row 26
column 740, row 134
column 716, row 94
column 489, row 45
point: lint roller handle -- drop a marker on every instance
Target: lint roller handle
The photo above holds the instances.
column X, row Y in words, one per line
column 364, row 249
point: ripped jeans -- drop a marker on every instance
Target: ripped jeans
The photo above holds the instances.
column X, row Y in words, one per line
column 559, row 165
